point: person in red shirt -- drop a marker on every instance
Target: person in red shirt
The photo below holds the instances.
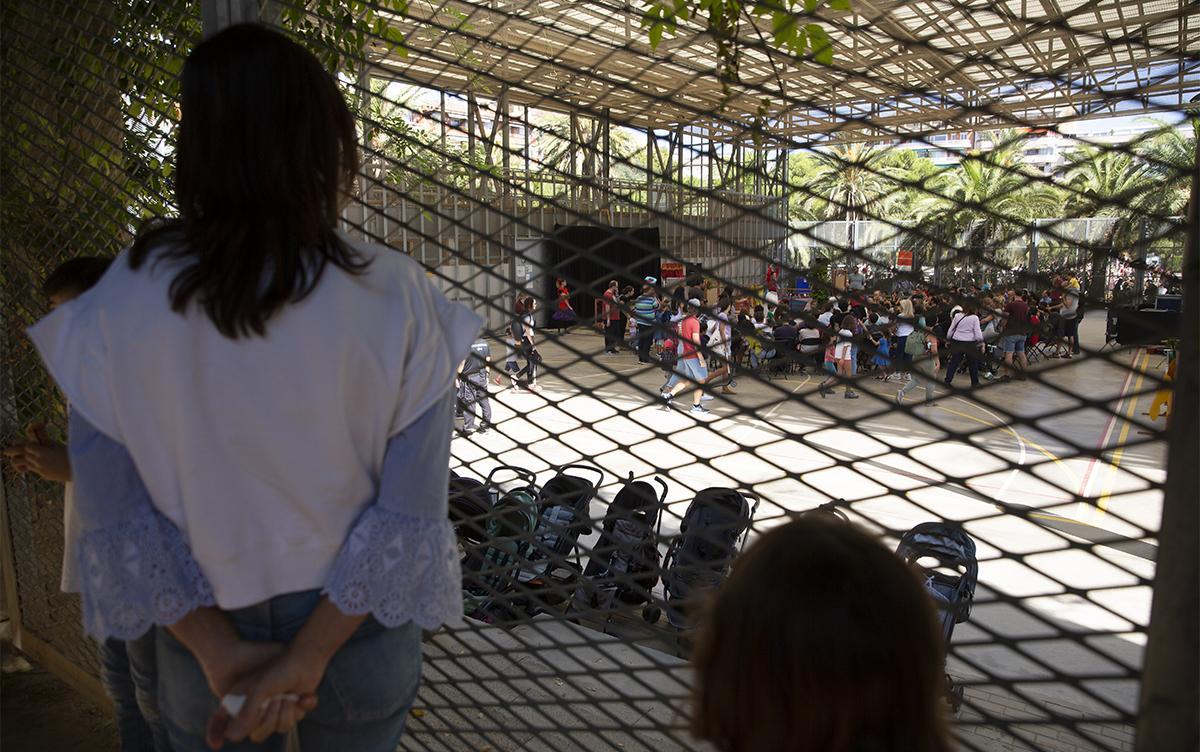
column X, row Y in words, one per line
column 691, row 366
column 1017, row 328
column 772, row 278
column 612, row 315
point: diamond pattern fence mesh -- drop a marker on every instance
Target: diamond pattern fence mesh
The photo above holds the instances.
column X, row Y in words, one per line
column 522, row 150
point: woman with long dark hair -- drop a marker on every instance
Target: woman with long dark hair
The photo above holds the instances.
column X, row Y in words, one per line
column 261, row 417
column 527, row 377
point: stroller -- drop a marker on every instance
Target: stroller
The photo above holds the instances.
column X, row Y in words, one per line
column 490, row 567
column 470, row 504
column 565, row 514
column 712, row 533
column 624, row 565
column 945, row 556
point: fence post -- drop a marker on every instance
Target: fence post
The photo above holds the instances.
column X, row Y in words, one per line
column 1140, row 275
column 1167, row 718
column 1034, row 238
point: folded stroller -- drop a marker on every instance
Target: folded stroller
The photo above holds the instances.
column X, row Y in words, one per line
column 565, row 508
column 624, row 565
column 470, row 504
column 490, row 568
column 713, row 531
column 945, row 556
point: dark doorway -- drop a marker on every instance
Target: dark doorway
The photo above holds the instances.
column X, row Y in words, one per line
column 589, row 256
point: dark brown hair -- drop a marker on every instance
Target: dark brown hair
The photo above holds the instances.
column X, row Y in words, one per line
column 77, row 275
column 266, row 153
column 822, row 640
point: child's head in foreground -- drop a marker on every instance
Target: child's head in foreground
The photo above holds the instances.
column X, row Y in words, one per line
column 822, row 640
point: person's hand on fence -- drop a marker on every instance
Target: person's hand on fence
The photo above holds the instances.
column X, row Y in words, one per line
column 40, row 455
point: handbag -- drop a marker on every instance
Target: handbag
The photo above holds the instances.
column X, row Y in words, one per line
column 915, row 344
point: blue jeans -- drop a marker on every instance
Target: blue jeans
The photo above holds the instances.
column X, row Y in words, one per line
column 362, row 703
column 130, row 676
column 755, row 359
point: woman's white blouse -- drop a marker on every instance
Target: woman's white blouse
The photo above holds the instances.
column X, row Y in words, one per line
column 264, row 452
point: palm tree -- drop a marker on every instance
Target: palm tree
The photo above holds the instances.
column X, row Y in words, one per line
column 1107, row 183
column 1169, row 156
column 915, row 174
column 1112, row 184
column 988, row 198
column 851, row 182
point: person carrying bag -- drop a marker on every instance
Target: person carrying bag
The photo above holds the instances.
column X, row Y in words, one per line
column 965, row 340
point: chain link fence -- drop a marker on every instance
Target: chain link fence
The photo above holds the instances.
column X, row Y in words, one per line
column 516, row 148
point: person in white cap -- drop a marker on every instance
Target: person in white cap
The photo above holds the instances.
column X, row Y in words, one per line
column 691, row 366
column 645, row 309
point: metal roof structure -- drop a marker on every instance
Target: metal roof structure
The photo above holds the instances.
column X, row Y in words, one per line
column 899, row 69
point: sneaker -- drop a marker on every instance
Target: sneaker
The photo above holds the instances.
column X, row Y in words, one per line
column 851, row 395
column 701, row 410
column 482, row 431
column 706, row 398
column 899, row 398
column 535, row 387
column 667, row 397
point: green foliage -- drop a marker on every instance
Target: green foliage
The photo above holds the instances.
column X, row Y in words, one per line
column 853, row 181
column 818, row 280
column 988, row 196
column 338, row 31
column 1169, row 158
column 793, row 26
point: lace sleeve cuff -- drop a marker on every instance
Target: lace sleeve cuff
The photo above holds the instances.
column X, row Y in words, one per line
column 399, row 568
column 136, row 574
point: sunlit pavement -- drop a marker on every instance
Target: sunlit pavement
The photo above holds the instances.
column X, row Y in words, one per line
column 1009, row 460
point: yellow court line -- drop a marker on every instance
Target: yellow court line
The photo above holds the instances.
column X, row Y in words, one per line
column 1004, row 426
column 1119, row 452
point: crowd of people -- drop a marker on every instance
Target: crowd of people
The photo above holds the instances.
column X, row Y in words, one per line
column 911, row 333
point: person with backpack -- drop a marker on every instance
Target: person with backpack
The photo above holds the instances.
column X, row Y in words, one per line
column 921, row 347
column 472, row 385
column 691, row 367
column 668, row 358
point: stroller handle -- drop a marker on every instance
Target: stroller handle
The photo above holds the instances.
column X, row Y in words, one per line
column 587, row 468
column 662, row 503
column 754, row 499
column 525, row 475
column 662, row 497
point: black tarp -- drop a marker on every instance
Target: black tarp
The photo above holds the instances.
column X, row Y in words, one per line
column 589, row 256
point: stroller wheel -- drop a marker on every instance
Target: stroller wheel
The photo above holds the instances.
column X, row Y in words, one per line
column 651, row 614
column 954, row 694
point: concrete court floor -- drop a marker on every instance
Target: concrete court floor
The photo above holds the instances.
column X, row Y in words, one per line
column 1024, row 444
